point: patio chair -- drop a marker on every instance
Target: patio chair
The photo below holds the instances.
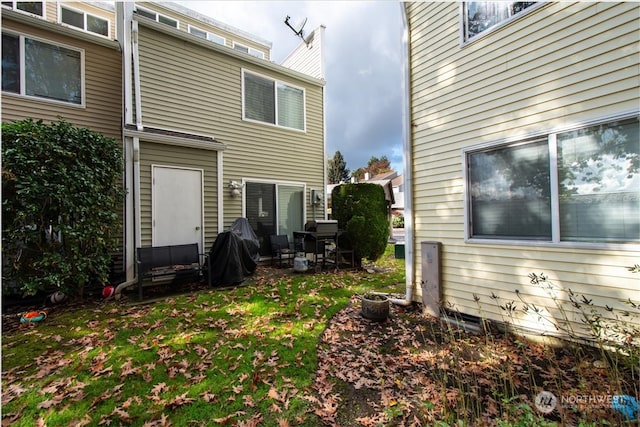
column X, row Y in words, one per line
column 281, row 249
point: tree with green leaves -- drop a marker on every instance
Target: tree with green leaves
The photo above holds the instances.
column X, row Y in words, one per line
column 375, row 166
column 62, row 191
column 337, row 171
column 361, row 211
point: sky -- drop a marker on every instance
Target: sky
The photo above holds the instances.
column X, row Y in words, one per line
column 363, row 67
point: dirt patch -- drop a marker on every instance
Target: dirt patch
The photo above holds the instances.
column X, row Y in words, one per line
column 414, row 370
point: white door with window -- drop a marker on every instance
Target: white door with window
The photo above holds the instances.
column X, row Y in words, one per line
column 177, row 206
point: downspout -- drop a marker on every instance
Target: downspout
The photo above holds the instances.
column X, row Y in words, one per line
column 220, row 194
column 137, row 96
column 407, row 162
column 131, row 40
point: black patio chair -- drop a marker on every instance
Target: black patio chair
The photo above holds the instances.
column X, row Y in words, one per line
column 281, row 249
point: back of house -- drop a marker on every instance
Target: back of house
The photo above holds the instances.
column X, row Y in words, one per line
column 212, row 129
column 525, row 158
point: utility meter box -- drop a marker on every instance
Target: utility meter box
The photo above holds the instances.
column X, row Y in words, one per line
column 317, row 197
column 430, row 282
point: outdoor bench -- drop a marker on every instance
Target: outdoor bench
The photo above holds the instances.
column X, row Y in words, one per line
column 168, row 265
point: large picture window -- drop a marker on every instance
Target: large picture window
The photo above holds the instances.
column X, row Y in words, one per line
column 479, row 16
column 274, row 102
column 576, row 186
column 41, row 69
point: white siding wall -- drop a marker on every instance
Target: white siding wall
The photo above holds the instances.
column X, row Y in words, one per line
column 308, row 58
column 560, row 64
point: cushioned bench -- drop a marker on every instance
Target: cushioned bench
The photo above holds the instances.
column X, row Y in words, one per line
column 176, row 263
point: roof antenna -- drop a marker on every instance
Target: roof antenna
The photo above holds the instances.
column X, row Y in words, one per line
column 298, row 29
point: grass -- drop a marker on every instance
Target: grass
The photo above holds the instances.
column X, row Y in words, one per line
column 206, row 358
column 291, row 350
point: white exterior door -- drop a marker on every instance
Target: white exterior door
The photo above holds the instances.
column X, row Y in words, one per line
column 177, row 206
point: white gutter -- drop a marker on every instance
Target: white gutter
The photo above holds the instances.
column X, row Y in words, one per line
column 407, row 162
column 220, row 195
column 136, row 74
column 130, row 41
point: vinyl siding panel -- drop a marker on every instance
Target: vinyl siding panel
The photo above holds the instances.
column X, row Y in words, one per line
column 558, row 65
column 103, row 83
column 184, row 21
column 168, row 155
column 186, row 86
column 308, row 58
column 103, row 86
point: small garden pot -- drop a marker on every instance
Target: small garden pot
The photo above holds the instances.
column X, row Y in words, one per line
column 375, row 307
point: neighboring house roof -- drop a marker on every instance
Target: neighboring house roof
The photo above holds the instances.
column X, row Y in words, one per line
column 210, row 21
column 180, row 34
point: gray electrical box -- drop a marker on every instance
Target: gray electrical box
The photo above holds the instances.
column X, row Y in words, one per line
column 430, row 283
column 316, row 197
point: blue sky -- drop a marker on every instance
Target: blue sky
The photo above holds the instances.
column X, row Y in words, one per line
column 363, row 65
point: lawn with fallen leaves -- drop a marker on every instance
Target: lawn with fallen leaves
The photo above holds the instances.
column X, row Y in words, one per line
column 287, row 350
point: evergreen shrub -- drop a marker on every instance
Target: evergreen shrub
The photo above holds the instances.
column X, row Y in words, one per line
column 361, row 210
column 62, row 192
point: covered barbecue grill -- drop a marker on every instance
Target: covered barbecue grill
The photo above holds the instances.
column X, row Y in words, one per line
column 234, row 255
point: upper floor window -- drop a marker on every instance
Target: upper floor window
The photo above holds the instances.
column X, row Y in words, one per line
column 33, row 7
column 206, row 35
column 37, row 68
column 577, row 186
column 84, row 21
column 157, row 16
column 479, row 16
column 271, row 101
column 251, row 51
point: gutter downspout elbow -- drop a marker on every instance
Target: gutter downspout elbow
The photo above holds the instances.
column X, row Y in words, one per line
column 407, row 162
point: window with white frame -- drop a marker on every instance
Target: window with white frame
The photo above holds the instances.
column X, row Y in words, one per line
column 251, row 51
column 216, row 38
column 157, row 16
column 84, row 21
column 271, row 101
column 581, row 185
column 32, row 7
column 479, row 16
column 38, row 68
column 206, row 35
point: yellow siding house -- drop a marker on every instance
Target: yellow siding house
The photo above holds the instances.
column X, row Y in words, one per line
column 523, row 156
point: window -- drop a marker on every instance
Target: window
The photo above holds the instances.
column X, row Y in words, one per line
column 216, row 38
column 270, row 101
column 84, row 21
column 251, row 51
column 577, row 186
column 479, row 16
column 156, row 16
column 33, row 7
column 206, row 35
column 41, row 69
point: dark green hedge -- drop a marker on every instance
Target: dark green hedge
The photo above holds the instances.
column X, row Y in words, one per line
column 361, row 210
column 61, row 188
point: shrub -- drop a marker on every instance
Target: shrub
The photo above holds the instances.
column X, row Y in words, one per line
column 361, row 210
column 398, row 222
column 61, row 195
